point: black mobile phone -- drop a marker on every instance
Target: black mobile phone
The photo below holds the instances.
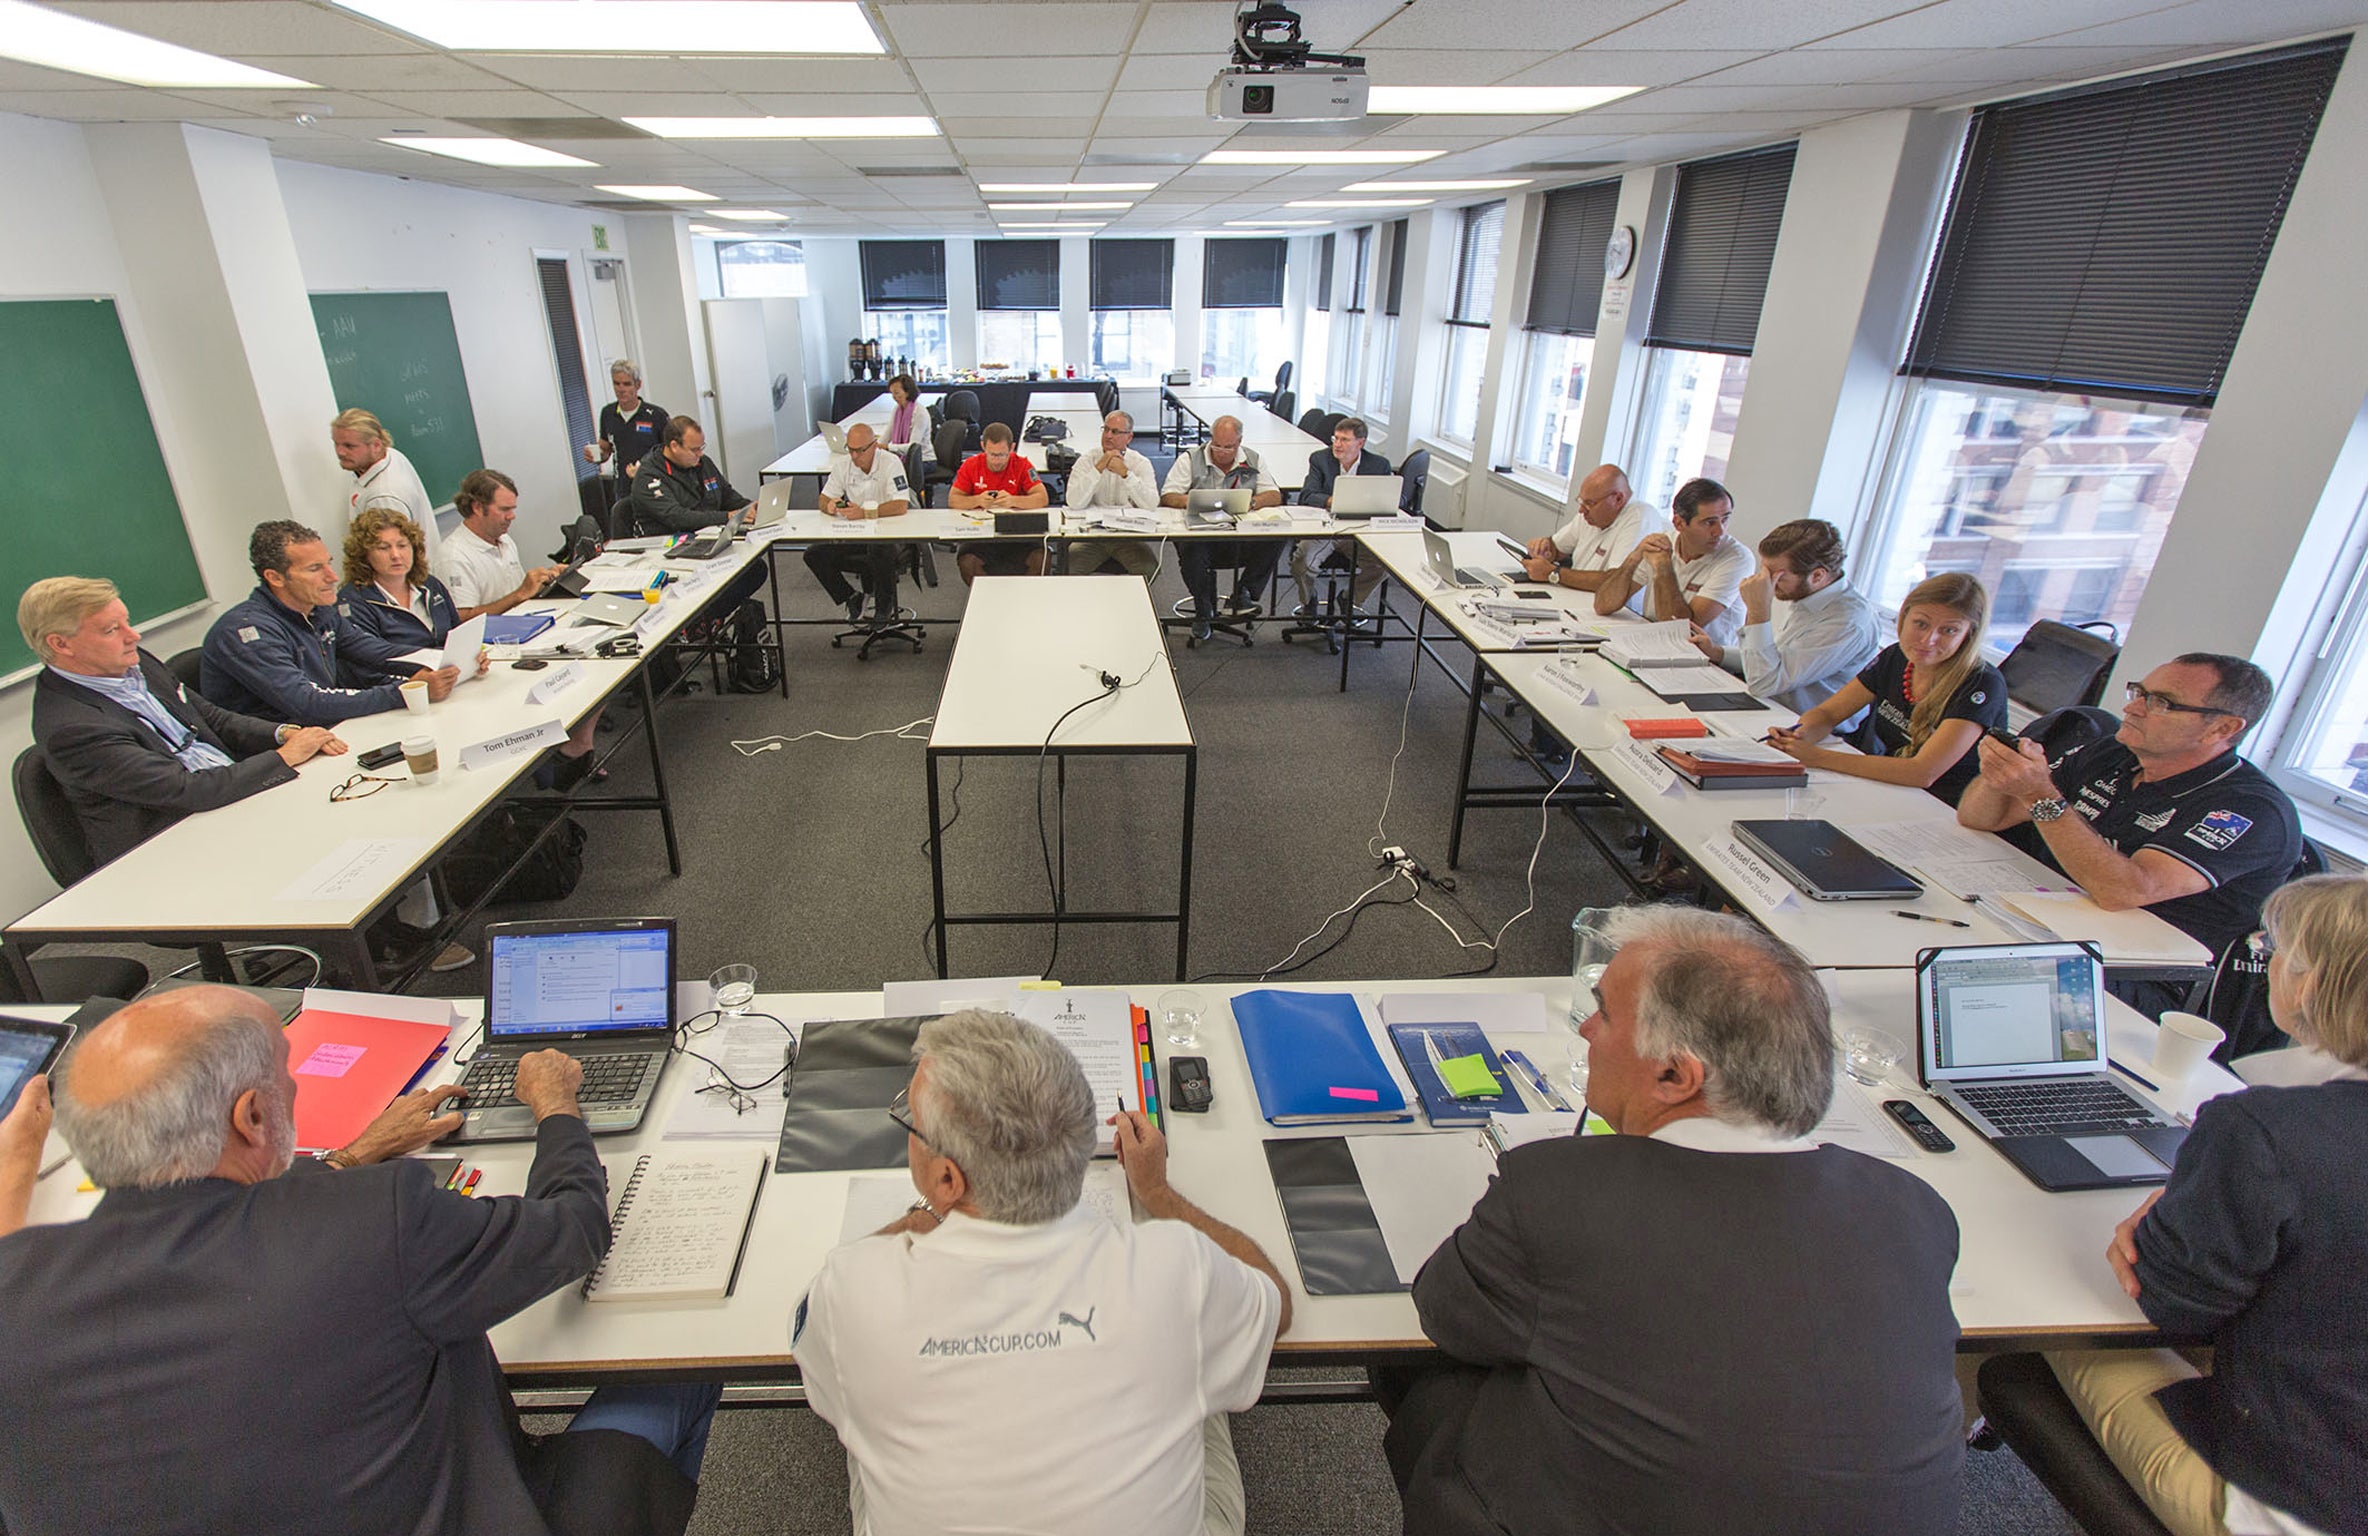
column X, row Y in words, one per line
column 1533, row 594
column 528, row 664
column 2005, row 738
column 379, row 757
column 1928, row 1136
column 1188, row 1085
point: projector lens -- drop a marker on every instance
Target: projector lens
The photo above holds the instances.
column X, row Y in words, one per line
column 1258, row 100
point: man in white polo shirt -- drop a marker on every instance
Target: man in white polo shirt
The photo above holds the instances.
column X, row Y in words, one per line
column 481, row 563
column 867, row 483
column 1004, row 1357
column 1607, row 527
column 1695, row 574
column 383, row 476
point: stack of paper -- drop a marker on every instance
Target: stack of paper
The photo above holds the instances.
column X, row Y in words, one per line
column 1653, row 645
column 1734, row 749
column 1676, row 680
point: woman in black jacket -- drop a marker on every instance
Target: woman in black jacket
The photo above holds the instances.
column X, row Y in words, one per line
column 390, row 605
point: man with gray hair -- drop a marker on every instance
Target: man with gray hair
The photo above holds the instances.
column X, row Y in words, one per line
column 1005, row 1355
column 240, row 1339
column 1707, row 1322
column 1116, row 476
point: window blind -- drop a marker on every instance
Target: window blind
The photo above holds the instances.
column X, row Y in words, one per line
column 1019, row 274
column 1566, row 284
column 904, row 274
column 1243, row 274
column 2110, row 240
column 1475, row 264
column 1133, row 274
column 1324, row 273
column 1722, row 240
column 575, row 398
column 1360, row 267
column 1397, row 284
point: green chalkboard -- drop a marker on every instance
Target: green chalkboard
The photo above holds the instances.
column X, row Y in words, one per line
column 397, row 356
column 83, row 490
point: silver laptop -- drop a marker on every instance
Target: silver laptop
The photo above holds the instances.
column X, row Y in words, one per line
column 2012, row 1038
column 1205, row 508
column 834, row 437
column 600, row 989
column 1367, row 495
column 610, row 608
column 717, row 540
column 772, row 503
column 1440, row 557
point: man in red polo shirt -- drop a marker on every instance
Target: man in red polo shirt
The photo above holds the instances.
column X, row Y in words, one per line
column 997, row 479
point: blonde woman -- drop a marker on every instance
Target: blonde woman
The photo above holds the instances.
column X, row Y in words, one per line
column 1929, row 696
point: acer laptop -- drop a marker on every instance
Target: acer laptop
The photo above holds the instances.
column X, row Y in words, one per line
column 1355, row 496
column 1824, row 863
column 2012, row 1038
column 1215, row 506
column 1440, row 556
column 600, row 989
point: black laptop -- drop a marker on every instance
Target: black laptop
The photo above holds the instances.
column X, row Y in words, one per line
column 1823, row 862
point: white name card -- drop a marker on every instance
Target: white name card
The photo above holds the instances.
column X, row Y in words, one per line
column 1642, row 758
column 516, row 744
column 1755, row 879
column 554, row 685
column 1568, row 681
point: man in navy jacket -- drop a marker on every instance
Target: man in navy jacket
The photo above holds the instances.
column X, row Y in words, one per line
column 1348, row 455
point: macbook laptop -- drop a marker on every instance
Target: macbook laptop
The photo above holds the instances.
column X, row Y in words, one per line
column 834, row 437
column 613, row 608
column 1367, row 495
column 716, row 540
column 2012, row 1038
column 1824, row 863
column 600, row 989
column 1215, row 505
column 1441, row 558
column 772, row 503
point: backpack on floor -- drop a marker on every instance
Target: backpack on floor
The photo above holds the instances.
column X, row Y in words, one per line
column 550, row 875
column 753, row 665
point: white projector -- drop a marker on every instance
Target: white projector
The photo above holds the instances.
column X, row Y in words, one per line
column 1288, row 95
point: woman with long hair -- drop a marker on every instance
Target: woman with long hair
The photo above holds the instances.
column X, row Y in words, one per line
column 1928, row 697
column 390, row 605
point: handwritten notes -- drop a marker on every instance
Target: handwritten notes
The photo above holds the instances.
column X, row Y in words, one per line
column 361, row 867
column 329, row 1060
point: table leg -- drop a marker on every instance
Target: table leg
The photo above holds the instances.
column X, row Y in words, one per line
column 649, row 723
column 1463, row 771
column 20, row 967
column 937, row 862
column 1184, row 861
column 779, row 625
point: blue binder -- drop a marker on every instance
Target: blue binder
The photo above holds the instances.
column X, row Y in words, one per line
column 514, row 628
column 1313, row 1061
column 1454, row 1040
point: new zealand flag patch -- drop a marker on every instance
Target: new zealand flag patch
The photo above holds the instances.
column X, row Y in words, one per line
column 2219, row 829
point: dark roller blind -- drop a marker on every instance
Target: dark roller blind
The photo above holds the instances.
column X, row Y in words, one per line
column 1722, row 238
column 1134, row 274
column 1397, row 284
column 1243, row 274
column 1566, row 285
column 1019, row 274
column 1360, row 267
column 559, row 308
column 1475, row 264
column 2109, row 240
column 1324, row 273
column 904, row 274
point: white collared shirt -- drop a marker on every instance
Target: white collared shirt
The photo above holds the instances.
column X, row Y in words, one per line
column 883, row 483
column 1590, row 548
column 1717, row 576
column 1708, row 1133
column 392, row 481
column 1810, row 650
column 1090, row 486
column 477, row 573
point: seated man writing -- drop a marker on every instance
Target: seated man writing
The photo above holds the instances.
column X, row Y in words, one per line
column 997, row 478
column 241, row 1340
column 867, row 483
column 1005, row 1358
column 133, row 749
column 1609, row 1373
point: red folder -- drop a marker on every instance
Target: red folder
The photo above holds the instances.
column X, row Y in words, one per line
column 349, row 1067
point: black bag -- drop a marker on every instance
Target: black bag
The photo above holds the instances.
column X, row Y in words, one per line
column 754, row 665
column 550, row 875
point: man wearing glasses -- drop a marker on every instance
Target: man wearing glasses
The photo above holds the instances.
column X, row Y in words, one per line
column 2169, row 817
column 1610, row 523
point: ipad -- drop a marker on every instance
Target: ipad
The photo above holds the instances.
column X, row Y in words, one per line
column 27, row 1046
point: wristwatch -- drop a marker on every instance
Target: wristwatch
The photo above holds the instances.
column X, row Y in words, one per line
column 2047, row 810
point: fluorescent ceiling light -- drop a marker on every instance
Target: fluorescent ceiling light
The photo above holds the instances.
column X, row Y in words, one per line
column 1316, row 156
column 1039, row 227
column 1437, row 186
column 1058, row 207
column 787, row 127
column 662, row 194
column 710, row 229
column 505, row 152
column 632, row 26
column 1068, row 186
column 56, row 40
column 1360, row 202
column 747, row 215
column 1275, row 223
column 1537, row 100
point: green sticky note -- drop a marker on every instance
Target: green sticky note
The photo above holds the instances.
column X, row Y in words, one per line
column 1468, row 1077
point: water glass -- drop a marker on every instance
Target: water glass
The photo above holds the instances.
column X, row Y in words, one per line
column 1179, row 1015
column 735, row 988
column 1869, row 1057
column 1592, row 948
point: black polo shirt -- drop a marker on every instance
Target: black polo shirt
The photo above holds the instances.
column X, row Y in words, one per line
column 2225, row 820
column 634, row 437
column 1981, row 698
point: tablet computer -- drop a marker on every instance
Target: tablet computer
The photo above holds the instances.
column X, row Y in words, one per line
column 27, row 1046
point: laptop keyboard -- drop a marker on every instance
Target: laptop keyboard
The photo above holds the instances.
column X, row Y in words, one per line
column 2083, row 1108
column 492, row 1081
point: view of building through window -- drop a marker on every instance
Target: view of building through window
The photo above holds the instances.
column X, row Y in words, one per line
column 1019, row 339
column 1242, row 343
column 919, row 334
column 1553, row 388
column 1686, row 426
column 761, row 269
column 1134, row 343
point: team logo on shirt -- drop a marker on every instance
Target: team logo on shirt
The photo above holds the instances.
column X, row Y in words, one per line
column 1069, row 1320
column 2155, row 822
column 1027, row 1341
column 2219, row 829
column 249, row 633
column 1978, row 696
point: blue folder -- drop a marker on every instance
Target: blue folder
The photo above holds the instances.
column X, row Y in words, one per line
column 1453, row 1040
column 514, row 628
column 1312, row 1059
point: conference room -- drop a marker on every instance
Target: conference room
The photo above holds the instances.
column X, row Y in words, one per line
column 2053, row 300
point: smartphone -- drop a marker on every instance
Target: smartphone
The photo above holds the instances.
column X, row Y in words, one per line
column 1533, row 594
column 379, row 757
column 2007, row 739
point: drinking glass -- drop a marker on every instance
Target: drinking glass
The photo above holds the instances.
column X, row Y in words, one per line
column 1592, row 948
column 1179, row 1015
column 1868, row 1057
column 735, row 988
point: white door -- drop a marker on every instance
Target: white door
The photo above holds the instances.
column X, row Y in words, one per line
column 612, row 334
column 741, row 435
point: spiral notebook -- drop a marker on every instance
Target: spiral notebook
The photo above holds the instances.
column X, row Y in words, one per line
column 680, row 1227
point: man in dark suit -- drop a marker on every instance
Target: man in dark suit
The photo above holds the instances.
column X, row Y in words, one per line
column 1348, row 455
column 235, row 1340
column 1706, row 1323
column 133, row 749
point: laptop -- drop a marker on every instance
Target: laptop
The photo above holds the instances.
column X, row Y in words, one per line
column 1824, row 863
column 600, row 989
column 834, row 437
column 772, row 504
column 613, row 608
column 2012, row 1038
column 1440, row 556
column 1215, row 506
column 1367, row 495
column 717, row 540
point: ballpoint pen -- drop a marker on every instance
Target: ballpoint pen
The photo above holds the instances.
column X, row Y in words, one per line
column 1926, row 917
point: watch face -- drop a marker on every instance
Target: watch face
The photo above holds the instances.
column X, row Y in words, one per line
column 1618, row 251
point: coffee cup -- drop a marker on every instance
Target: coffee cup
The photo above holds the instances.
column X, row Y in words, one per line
column 415, row 695
column 419, row 755
column 2180, row 1046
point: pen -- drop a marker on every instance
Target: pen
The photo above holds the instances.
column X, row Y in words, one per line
column 2134, row 1077
column 1926, row 917
column 1527, row 1068
column 53, row 1167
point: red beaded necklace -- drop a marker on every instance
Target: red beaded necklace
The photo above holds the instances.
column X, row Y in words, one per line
column 1907, row 684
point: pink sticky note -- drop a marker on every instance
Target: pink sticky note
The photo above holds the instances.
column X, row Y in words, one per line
column 1366, row 1094
column 329, row 1060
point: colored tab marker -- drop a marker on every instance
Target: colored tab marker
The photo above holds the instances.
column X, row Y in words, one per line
column 1367, row 1095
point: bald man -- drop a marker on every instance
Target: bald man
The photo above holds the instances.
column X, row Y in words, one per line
column 866, row 485
column 239, row 1338
column 1593, row 543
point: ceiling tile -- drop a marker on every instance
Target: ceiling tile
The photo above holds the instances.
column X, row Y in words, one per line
column 907, row 105
column 819, row 76
column 1440, row 66
column 1636, row 66
column 568, row 72
column 1995, row 67
column 2215, row 23
column 248, row 26
column 1752, row 23
column 963, row 130
column 1538, row 23
column 512, row 103
column 124, row 104
column 1988, row 23
column 980, row 31
column 1064, row 75
column 655, row 103
column 1825, row 66
column 1165, row 105
column 976, row 104
column 382, row 71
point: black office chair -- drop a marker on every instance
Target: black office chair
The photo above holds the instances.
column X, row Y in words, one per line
column 963, row 404
column 947, row 446
column 185, row 666
column 2058, row 664
column 620, row 518
column 2026, row 1405
column 1106, row 395
column 1319, row 424
column 1243, row 388
column 1416, row 473
column 1273, row 397
column 1284, row 404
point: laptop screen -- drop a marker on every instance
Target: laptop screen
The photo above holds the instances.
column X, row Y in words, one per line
column 591, row 980
column 2011, row 1010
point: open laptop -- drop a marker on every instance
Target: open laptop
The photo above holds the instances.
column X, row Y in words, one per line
column 1215, row 505
column 717, row 540
column 834, row 437
column 1824, row 863
column 1440, row 556
column 600, row 989
column 1367, row 495
column 2012, row 1038
column 771, row 505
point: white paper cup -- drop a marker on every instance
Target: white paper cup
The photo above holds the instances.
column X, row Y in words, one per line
column 2181, row 1045
column 415, row 695
column 419, row 755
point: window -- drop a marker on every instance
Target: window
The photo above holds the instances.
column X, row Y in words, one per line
column 1019, row 339
column 761, row 269
column 1686, row 426
column 1019, row 304
column 918, row 334
column 1348, row 354
column 2323, row 757
column 1132, row 288
column 1133, row 343
column 1237, row 344
column 2057, row 502
column 1242, row 332
column 1385, row 329
column 1558, row 334
column 904, row 298
column 1311, row 381
column 1467, row 322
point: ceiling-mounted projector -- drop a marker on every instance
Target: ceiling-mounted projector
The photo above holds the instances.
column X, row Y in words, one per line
column 1276, row 77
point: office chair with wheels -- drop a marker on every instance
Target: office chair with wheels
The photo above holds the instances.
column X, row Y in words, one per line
column 57, row 837
column 620, row 518
column 1319, row 423
column 946, row 447
column 1284, row 404
column 2236, row 995
column 186, row 666
column 1243, row 388
column 962, row 405
column 1273, row 397
column 1416, row 475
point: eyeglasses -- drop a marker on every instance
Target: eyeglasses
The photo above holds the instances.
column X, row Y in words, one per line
column 370, row 784
column 2163, row 701
column 900, row 1110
